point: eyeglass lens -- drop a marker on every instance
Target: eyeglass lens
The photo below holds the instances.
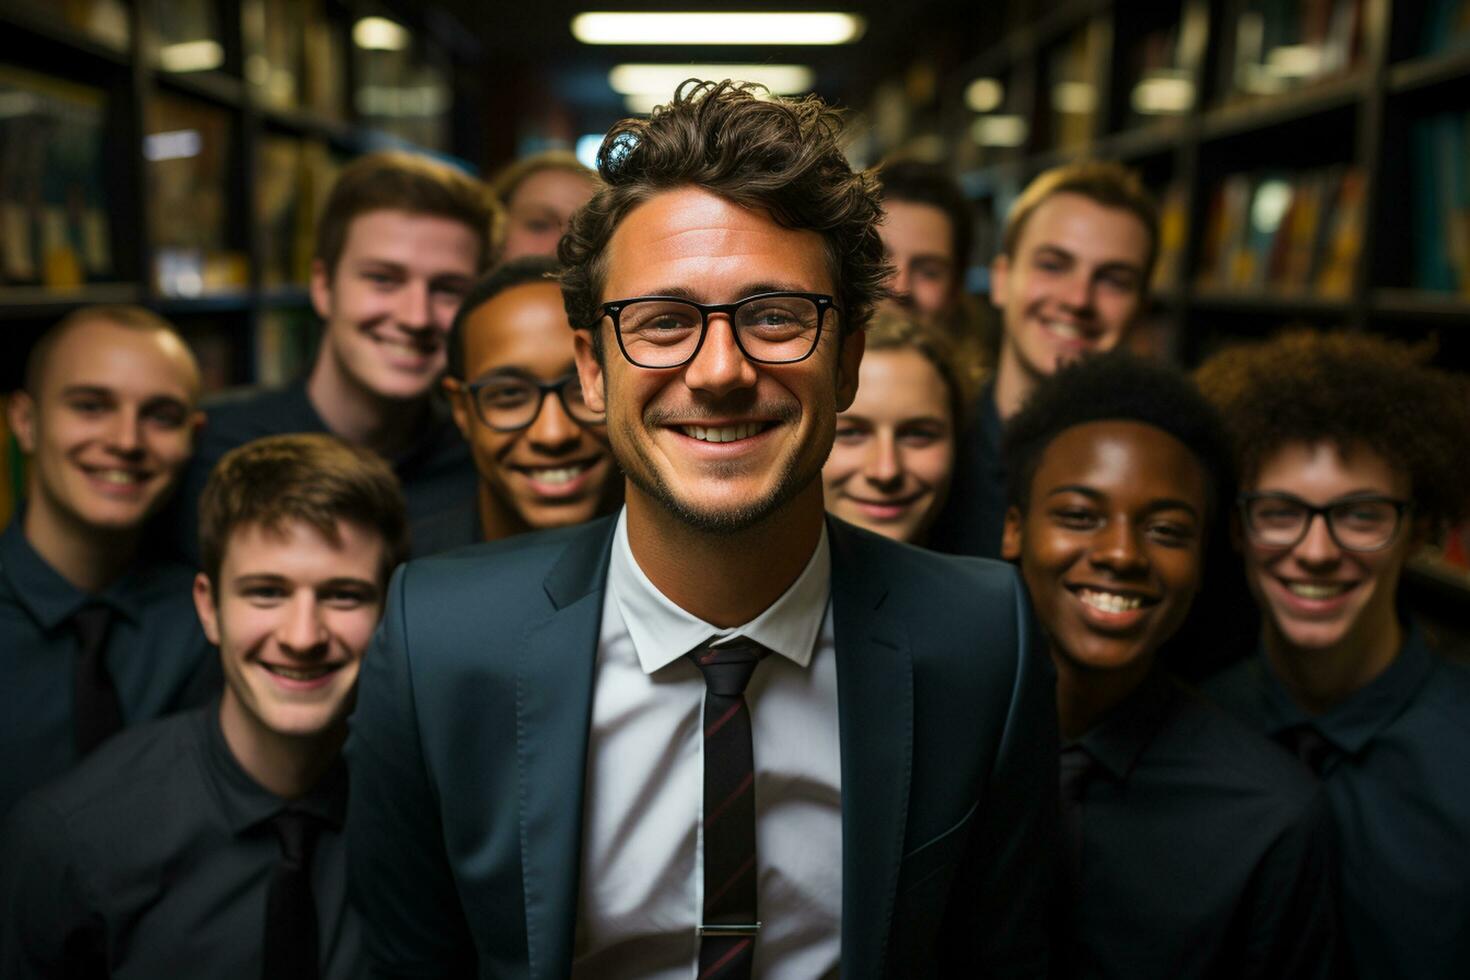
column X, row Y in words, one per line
column 664, row 333
column 514, row 403
column 1359, row 525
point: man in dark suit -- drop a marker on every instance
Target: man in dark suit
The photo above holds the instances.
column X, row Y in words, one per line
column 717, row 735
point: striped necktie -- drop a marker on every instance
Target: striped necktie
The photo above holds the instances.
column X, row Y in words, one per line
column 729, row 926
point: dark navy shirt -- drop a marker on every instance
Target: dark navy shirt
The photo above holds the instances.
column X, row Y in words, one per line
column 153, row 858
column 456, row 526
column 1397, row 778
column 974, row 516
column 156, row 654
column 1205, row 849
column 436, row 473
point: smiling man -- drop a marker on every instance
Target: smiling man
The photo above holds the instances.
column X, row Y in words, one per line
column 719, row 734
column 512, row 383
column 1078, row 249
column 95, row 633
column 399, row 242
column 1195, row 848
column 1352, row 455
column 210, row 842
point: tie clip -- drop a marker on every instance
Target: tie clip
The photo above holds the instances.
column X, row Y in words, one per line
column 741, row 929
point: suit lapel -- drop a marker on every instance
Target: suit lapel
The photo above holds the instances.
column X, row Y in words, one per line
column 875, row 694
column 554, row 681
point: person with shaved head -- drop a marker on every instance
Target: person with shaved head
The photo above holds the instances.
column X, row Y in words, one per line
column 97, row 634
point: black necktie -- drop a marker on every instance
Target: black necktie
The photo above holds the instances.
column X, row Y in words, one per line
column 96, row 712
column 1077, row 769
column 728, row 931
column 1310, row 746
column 290, row 945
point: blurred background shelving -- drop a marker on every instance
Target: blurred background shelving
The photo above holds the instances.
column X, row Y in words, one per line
column 175, row 153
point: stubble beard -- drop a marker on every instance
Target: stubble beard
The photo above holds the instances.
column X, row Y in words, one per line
column 726, row 521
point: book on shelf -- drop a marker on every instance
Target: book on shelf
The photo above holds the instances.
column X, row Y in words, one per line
column 1280, row 45
column 285, row 342
column 1439, row 145
column 1285, row 233
column 54, row 225
column 1173, row 233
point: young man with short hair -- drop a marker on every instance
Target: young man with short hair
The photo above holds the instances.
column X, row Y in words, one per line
column 209, row 843
column 398, row 244
column 926, row 233
column 718, row 733
column 1072, row 278
column 1195, row 847
column 97, row 633
column 512, row 385
column 1351, row 453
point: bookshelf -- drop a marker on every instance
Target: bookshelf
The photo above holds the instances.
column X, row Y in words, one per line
column 1309, row 156
column 174, row 153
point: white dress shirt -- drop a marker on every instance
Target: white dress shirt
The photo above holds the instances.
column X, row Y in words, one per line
column 642, row 882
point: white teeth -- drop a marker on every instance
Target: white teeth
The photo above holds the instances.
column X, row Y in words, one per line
column 118, row 476
column 1109, row 601
column 1067, row 331
column 1317, row 590
column 722, row 433
column 562, row 475
column 309, row 674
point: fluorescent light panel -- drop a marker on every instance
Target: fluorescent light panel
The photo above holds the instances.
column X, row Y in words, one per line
column 606, row 27
column 661, row 80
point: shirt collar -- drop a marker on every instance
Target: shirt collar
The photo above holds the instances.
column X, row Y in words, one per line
column 1351, row 725
column 662, row 632
column 244, row 802
column 46, row 595
column 1120, row 739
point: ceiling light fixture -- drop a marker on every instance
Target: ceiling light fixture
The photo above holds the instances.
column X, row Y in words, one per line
column 380, row 34
column 607, row 27
column 661, row 80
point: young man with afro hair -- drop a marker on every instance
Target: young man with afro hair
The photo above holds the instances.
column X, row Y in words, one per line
column 1350, row 454
column 1194, row 847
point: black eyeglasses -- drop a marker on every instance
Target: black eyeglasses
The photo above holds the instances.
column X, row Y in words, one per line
column 1360, row 523
column 509, row 403
column 667, row 332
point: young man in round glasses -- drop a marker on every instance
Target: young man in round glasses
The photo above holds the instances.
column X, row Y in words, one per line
column 541, row 452
column 1350, row 455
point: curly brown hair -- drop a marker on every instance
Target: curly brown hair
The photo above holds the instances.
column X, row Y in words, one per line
column 1349, row 389
column 782, row 156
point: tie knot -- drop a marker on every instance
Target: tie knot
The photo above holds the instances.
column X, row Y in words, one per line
column 727, row 669
column 1310, row 746
column 91, row 622
column 297, row 832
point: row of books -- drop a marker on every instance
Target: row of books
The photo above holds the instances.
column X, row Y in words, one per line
column 1284, row 44
column 54, row 224
column 1286, row 232
column 1440, row 147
